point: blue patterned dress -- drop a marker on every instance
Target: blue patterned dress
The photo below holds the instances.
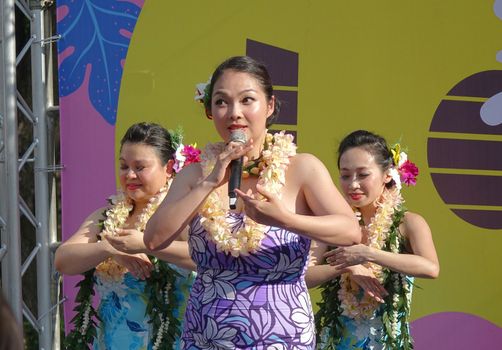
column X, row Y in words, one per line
column 258, row 301
column 122, row 310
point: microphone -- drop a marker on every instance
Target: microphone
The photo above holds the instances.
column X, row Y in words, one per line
column 235, row 169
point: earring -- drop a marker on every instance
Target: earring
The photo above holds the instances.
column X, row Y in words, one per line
column 208, row 114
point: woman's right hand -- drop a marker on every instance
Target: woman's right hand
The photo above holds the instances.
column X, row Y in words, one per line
column 367, row 281
column 233, row 150
column 138, row 264
column 129, row 241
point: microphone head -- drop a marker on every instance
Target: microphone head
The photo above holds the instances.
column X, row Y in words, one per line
column 238, row 135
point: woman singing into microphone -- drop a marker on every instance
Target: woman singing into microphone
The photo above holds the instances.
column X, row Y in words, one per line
column 250, row 290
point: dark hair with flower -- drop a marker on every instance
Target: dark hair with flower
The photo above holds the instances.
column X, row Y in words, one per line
column 160, row 294
column 242, row 64
column 392, row 159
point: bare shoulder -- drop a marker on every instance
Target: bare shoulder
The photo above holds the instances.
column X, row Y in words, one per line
column 306, row 163
column 99, row 214
column 414, row 223
column 305, row 158
column 411, row 218
column 95, row 217
column 90, row 227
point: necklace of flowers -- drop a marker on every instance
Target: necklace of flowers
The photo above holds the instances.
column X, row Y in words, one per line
column 253, row 167
column 159, row 308
column 116, row 217
column 275, row 156
column 383, row 232
column 377, row 235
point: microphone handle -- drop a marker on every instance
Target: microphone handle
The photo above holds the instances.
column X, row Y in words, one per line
column 234, row 181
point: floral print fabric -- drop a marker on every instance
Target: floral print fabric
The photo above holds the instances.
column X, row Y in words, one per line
column 259, row 301
column 122, row 309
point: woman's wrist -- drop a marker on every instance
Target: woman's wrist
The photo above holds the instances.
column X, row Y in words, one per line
column 370, row 255
column 207, row 184
column 288, row 220
column 107, row 248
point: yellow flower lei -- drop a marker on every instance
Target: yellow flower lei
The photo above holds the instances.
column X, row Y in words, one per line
column 378, row 232
column 116, row 216
column 277, row 151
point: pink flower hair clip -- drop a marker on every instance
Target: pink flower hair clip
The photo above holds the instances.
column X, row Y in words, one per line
column 404, row 171
column 185, row 154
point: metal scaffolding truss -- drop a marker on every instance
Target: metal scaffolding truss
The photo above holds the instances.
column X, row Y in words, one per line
column 12, row 160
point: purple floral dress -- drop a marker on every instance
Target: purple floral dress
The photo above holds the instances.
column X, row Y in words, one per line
column 258, row 301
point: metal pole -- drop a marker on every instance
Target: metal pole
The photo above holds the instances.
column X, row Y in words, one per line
column 3, row 185
column 52, row 114
column 56, row 280
column 12, row 238
column 42, row 199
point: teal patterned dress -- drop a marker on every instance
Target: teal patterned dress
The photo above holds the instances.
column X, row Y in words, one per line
column 122, row 310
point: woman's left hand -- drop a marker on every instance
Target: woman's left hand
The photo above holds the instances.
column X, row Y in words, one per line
column 129, row 241
column 348, row 256
column 367, row 281
column 269, row 212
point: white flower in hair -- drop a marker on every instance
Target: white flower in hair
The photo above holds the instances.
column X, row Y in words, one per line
column 396, row 177
column 180, row 157
column 201, row 90
column 403, row 157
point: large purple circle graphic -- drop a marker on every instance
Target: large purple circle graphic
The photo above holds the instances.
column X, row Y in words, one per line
column 464, row 149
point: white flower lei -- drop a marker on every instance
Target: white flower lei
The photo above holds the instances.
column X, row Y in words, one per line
column 116, row 216
column 164, row 321
column 277, row 151
column 378, row 233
